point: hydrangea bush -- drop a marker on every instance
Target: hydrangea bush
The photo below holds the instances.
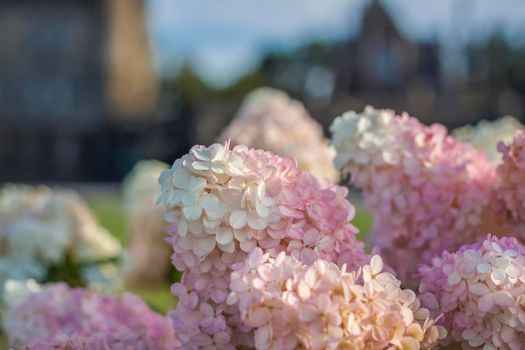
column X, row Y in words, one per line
column 268, row 119
column 268, row 254
column 51, row 234
column 290, row 305
column 222, row 204
column 146, row 225
column 480, row 289
column 58, row 317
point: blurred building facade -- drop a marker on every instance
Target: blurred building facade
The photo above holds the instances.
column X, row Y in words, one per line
column 382, row 67
column 78, row 90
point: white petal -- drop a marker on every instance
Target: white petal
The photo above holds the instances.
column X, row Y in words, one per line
column 496, row 247
column 486, row 302
column 511, row 253
column 163, row 199
column 201, row 166
column 468, row 334
column 196, row 184
column 377, row 264
column 478, row 288
column 212, row 206
column 176, row 196
column 189, row 198
column 261, row 190
column 181, row 178
column 224, row 236
column 256, row 222
column 203, row 246
column 227, row 248
column 503, row 298
column 262, row 210
column 165, row 179
column 308, row 313
column 238, row 219
column 484, row 267
column 192, row 212
column 201, row 153
column 453, row 278
column 497, row 276
column 195, row 227
column 170, row 216
column 263, row 337
column 216, row 151
column 182, row 227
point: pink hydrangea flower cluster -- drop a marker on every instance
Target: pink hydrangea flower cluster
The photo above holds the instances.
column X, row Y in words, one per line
column 480, row 289
column 269, row 119
column 119, row 340
column 224, row 203
column 511, row 191
column 59, row 317
column 290, row 305
column 427, row 191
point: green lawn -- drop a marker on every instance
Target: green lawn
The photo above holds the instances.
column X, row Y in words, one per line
column 109, row 211
column 363, row 220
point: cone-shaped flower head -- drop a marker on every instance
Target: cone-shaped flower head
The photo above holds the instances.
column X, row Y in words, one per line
column 480, row 289
column 427, row 191
column 222, row 204
column 58, row 317
column 268, row 119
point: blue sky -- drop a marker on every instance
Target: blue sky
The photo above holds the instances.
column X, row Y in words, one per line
column 223, row 39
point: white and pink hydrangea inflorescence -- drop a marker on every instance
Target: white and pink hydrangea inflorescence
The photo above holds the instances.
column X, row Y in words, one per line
column 290, row 305
column 428, row 192
column 269, row 119
column 59, row 317
column 223, row 203
column 43, row 229
column 480, row 290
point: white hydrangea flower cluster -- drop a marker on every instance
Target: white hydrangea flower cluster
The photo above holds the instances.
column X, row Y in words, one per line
column 370, row 138
column 15, row 291
column 269, row 119
column 487, row 134
column 146, row 224
column 41, row 229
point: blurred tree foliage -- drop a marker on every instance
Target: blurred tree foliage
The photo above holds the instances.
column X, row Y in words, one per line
column 493, row 84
